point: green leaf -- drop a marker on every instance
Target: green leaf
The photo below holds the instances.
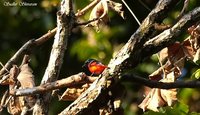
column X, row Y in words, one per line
column 154, row 113
column 196, row 74
column 194, row 113
column 183, row 108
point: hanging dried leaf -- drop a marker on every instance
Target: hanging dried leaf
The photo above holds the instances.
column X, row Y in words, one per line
column 100, row 12
column 169, row 95
column 163, row 55
column 160, row 97
column 15, row 105
column 175, row 52
column 175, row 55
column 194, row 40
column 117, row 7
column 26, row 79
column 167, row 68
column 188, row 49
column 152, row 101
column 73, row 93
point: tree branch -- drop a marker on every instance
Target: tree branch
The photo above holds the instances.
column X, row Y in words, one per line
column 71, row 81
column 168, row 36
column 31, row 44
column 84, row 10
column 27, row 48
column 65, row 23
column 128, row 57
column 82, row 78
column 155, row 84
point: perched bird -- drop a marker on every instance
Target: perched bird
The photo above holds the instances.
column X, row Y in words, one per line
column 93, row 67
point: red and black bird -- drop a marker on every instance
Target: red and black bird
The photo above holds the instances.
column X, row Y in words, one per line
column 93, row 67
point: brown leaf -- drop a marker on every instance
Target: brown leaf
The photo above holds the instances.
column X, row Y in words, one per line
column 152, row 101
column 188, row 50
column 100, row 12
column 10, row 79
column 73, row 93
column 194, row 32
column 160, row 97
column 25, row 77
column 175, row 55
column 169, row 95
column 15, row 105
column 197, row 57
column 163, row 54
column 117, row 7
column 175, row 52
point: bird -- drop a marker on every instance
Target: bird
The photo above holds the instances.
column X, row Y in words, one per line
column 93, row 67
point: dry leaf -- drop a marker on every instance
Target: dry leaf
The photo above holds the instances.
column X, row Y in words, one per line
column 73, row 93
column 194, row 31
column 25, row 77
column 160, row 97
column 15, row 105
column 163, row 54
column 188, row 50
column 175, row 55
column 10, row 79
column 117, row 7
column 152, row 101
column 100, row 12
column 197, row 57
column 169, row 95
column 194, row 40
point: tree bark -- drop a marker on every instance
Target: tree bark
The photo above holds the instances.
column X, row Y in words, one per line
column 65, row 23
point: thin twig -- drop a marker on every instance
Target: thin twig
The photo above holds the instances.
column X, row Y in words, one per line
column 87, row 22
column 141, row 2
column 185, row 6
column 161, row 65
column 25, row 49
column 131, row 12
column 45, row 37
column 4, row 67
column 5, row 77
column 85, row 9
column 4, row 98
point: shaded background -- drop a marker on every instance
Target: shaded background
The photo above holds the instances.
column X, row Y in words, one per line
column 18, row 24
